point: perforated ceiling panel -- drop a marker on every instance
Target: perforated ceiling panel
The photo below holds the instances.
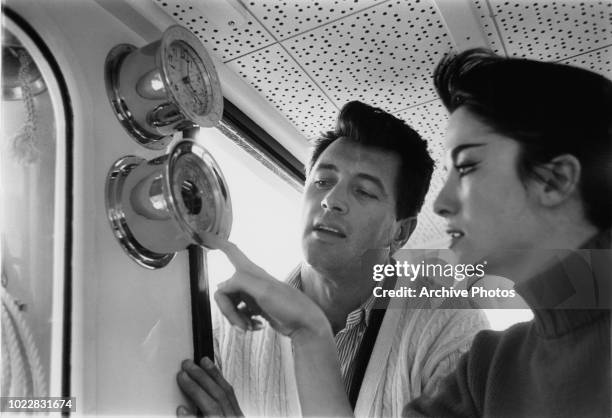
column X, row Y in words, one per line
column 552, row 30
column 382, row 55
column 599, row 61
column 309, row 57
column 280, row 80
column 482, row 8
column 226, row 38
column 286, row 18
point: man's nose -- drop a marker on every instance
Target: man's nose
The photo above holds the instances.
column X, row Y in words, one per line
column 335, row 200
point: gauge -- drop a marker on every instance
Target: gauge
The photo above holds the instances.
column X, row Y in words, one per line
column 164, row 87
column 163, row 205
column 196, row 199
column 190, row 77
column 187, row 77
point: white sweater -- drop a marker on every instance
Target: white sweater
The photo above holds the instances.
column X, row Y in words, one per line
column 414, row 349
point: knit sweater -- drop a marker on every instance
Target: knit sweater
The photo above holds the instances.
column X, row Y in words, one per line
column 557, row 365
column 414, row 350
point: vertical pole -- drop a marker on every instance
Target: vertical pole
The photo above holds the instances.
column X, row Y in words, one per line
column 200, row 305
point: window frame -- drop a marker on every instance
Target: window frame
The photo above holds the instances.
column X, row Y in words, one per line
column 15, row 19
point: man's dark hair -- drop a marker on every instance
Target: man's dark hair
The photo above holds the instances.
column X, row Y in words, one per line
column 373, row 127
column 549, row 109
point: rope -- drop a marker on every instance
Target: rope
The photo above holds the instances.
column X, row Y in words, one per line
column 24, row 143
column 6, row 371
column 18, row 385
column 27, row 375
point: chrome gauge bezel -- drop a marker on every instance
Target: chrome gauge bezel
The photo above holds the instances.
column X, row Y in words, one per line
column 141, row 93
column 150, row 218
column 206, row 67
column 117, row 216
column 222, row 224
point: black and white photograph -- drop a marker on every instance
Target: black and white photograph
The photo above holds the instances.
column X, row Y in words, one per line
column 326, row 208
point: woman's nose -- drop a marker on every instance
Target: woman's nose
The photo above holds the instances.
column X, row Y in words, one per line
column 445, row 204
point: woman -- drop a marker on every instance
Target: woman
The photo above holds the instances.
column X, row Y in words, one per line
column 529, row 154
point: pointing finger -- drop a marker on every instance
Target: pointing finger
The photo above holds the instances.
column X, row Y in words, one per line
column 238, row 258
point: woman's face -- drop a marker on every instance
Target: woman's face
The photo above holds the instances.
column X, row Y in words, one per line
column 487, row 207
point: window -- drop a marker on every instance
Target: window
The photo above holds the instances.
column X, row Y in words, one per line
column 266, row 211
column 34, row 178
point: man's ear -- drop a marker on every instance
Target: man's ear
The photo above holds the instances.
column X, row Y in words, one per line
column 559, row 179
column 405, row 228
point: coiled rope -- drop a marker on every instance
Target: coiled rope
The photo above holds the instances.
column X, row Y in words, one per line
column 22, row 370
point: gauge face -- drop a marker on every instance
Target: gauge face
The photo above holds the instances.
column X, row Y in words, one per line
column 194, row 192
column 187, row 78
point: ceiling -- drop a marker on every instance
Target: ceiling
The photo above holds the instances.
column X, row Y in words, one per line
column 308, row 58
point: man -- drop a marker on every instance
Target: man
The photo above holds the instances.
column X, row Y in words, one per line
column 366, row 183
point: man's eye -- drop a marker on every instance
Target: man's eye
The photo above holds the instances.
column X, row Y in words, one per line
column 366, row 194
column 464, row 169
column 321, row 183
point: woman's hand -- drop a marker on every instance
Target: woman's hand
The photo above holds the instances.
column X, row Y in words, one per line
column 251, row 292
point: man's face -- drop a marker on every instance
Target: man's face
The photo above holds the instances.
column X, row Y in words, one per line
column 349, row 205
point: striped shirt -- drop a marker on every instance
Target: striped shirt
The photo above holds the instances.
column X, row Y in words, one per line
column 349, row 338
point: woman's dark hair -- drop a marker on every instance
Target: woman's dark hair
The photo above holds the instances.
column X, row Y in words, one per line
column 373, row 127
column 550, row 109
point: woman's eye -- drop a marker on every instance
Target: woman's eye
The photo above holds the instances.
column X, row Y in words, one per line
column 464, row 169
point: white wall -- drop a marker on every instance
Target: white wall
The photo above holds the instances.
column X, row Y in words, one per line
column 131, row 326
